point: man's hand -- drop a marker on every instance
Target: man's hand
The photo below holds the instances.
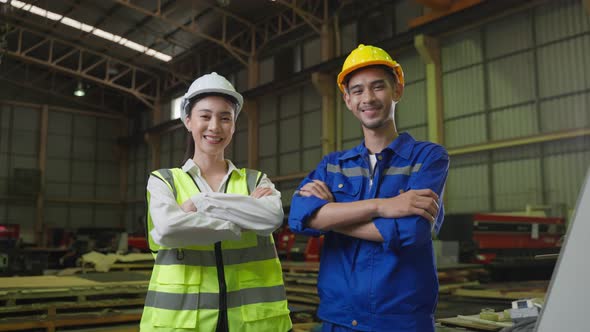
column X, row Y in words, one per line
column 318, row 189
column 261, row 192
column 188, row 206
column 422, row 202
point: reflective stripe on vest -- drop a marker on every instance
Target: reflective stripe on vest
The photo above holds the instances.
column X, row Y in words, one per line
column 196, row 301
column 207, row 257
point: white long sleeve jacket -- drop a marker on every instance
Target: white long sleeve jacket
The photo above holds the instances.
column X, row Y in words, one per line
column 219, row 216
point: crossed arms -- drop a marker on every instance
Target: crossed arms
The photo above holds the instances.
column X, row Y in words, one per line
column 209, row 217
column 403, row 220
column 355, row 218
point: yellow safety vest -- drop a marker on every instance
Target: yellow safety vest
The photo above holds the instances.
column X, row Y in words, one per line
column 189, row 285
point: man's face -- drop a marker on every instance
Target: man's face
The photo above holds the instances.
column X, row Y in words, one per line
column 370, row 94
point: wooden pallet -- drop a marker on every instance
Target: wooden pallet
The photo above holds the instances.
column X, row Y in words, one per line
column 53, row 321
column 504, row 291
column 50, row 302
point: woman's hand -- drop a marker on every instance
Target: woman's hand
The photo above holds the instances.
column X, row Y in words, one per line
column 261, row 192
column 188, row 206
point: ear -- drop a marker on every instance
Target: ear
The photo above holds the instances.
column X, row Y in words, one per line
column 187, row 122
column 398, row 91
column 346, row 98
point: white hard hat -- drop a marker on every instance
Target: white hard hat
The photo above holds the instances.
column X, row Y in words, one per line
column 210, row 83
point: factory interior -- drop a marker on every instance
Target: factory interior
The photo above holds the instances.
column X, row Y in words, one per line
column 92, row 102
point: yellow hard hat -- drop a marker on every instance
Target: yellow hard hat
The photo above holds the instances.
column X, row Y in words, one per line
column 366, row 55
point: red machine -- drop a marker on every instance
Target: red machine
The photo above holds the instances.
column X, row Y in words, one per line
column 298, row 247
column 138, row 242
column 508, row 236
column 9, row 235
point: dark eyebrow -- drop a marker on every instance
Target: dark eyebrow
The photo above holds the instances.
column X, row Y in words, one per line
column 377, row 82
column 381, row 81
column 355, row 86
column 206, row 110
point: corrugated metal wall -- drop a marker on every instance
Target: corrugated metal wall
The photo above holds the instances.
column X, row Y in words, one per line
column 138, row 169
column 289, row 134
column 82, row 168
column 523, row 75
column 411, row 111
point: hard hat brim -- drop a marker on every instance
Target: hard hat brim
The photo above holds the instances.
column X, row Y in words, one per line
column 233, row 94
column 396, row 68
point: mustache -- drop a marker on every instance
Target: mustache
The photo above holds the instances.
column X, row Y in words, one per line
column 373, row 104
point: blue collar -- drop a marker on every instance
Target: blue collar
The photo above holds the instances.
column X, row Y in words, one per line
column 402, row 146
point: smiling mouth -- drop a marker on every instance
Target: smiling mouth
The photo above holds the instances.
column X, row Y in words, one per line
column 370, row 110
column 213, row 140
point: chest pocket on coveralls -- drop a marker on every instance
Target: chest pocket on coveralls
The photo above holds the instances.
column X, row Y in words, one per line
column 178, row 288
column 345, row 189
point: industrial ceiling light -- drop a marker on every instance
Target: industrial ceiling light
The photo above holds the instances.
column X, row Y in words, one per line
column 79, row 92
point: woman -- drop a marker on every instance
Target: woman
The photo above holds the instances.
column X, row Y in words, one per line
column 210, row 227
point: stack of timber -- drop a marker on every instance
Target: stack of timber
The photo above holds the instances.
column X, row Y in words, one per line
column 454, row 276
column 95, row 261
column 301, row 282
column 474, row 322
column 505, row 291
column 53, row 302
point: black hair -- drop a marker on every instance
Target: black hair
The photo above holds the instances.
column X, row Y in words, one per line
column 388, row 70
column 190, row 142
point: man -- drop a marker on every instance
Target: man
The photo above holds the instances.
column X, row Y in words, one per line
column 376, row 205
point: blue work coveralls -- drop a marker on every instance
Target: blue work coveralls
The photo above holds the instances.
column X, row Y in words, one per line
column 371, row 286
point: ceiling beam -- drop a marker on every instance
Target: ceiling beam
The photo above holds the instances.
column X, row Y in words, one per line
column 241, row 54
column 440, row 9
column 306, row 10
column 53, row 89
column 436, row 4
column 82, row 63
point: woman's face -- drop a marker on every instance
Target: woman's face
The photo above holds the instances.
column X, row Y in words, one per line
column 212, row 125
